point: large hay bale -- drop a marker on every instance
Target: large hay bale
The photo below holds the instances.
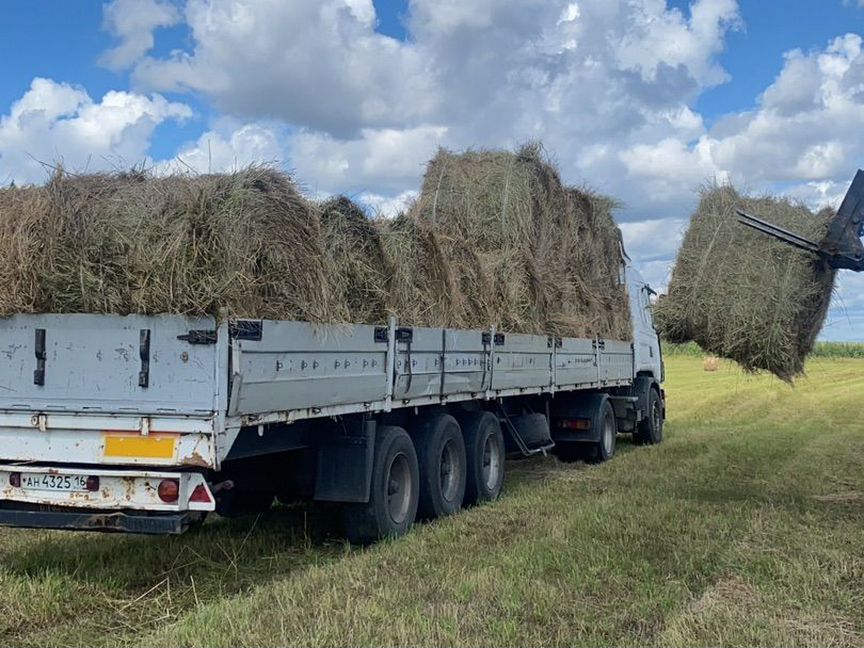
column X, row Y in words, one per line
column 505, row 243
column 742, row 295
column 357, row 269
column 245, row 243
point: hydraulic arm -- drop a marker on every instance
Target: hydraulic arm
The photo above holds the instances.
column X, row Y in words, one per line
column 841, row 246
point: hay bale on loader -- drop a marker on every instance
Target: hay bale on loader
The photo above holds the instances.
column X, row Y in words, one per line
column 744, row 296
column 505, row 243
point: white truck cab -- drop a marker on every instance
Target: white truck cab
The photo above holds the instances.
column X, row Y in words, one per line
column 648, row 358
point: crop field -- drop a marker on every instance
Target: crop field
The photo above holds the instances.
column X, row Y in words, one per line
column 745, row 527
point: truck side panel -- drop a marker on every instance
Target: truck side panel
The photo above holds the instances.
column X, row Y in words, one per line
column 107, row 363
column 462, row 354
column 296, row 366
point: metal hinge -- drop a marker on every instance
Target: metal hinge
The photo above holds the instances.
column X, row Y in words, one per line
column 199, row 337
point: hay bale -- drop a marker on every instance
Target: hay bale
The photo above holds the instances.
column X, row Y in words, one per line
column 246, row 243
column 742, row 295
column 505, row 243
column 711, row 363
column 358, row 272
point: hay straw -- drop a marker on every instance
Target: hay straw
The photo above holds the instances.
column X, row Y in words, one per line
column 505, row 243
column 742, row 295
column 129, row 243
column 494, row 238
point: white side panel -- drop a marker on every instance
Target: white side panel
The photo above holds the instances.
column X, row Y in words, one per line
column 297, row 365
column 522, row 361
column 576, row 363
column 93, row 363
column 441, row 362
column 616, row 361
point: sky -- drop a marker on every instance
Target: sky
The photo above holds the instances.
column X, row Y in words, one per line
column 645, row 100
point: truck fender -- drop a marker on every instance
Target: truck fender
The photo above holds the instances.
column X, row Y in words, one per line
column 641, row 388
column 582, row 406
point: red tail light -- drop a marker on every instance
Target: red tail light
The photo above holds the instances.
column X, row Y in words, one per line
column 15, row 480
column 200, row 494
column 169, row 490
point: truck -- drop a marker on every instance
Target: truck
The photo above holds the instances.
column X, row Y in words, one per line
column 147, row 423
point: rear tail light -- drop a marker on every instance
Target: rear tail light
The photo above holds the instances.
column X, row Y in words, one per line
column 169, row 490
column 15, row 480
column 92, row 483
column 200, row 494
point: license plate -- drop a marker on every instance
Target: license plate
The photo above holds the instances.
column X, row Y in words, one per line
column 45, row 482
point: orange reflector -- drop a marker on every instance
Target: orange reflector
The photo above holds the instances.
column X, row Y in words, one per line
column 152, row 446
column 575, row 424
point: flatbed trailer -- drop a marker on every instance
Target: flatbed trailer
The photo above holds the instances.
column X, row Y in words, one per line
column 146, row 423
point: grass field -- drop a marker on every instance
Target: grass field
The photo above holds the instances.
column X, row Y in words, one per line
column 746, row 527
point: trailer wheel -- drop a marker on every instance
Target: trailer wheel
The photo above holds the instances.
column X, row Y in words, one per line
column 650, row 429
column 604, row 447
column 485, row 454
column 441, row 455
column 393, row 493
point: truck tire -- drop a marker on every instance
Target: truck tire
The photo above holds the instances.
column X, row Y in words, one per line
column 485, row 454
column 649, row 431
column 441, row 455
column 604, row 420
column 393, row 493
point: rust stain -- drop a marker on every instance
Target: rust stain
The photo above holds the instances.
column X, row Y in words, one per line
column 195, row 459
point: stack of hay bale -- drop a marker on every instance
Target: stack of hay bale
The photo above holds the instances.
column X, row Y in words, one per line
column 494, row 238
column 742, row 295
column 505, row 243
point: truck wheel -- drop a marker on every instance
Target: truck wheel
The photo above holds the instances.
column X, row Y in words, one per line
column 441, row 455
column 485, row 454
column 393, row 493
column 604, row 419
column 650, row 429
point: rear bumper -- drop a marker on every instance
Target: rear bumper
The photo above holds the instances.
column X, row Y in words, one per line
column 83, row 520
column 115, row 491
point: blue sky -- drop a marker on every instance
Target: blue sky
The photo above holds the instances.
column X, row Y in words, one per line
column 639, row 99
column 63, row 41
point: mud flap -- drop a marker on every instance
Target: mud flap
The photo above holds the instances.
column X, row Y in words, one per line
column 344, row 471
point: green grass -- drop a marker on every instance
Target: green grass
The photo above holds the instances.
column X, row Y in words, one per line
column 743, row 528
column 821, row 350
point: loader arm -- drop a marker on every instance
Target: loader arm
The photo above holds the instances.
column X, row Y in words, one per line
column 841, row 247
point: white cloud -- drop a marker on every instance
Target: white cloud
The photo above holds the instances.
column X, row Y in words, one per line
column 132, row 22
column 55, row 122
column 383, row 161
column 226, row 148
column 805, row 128
column 387, row 206
column 315, row 63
